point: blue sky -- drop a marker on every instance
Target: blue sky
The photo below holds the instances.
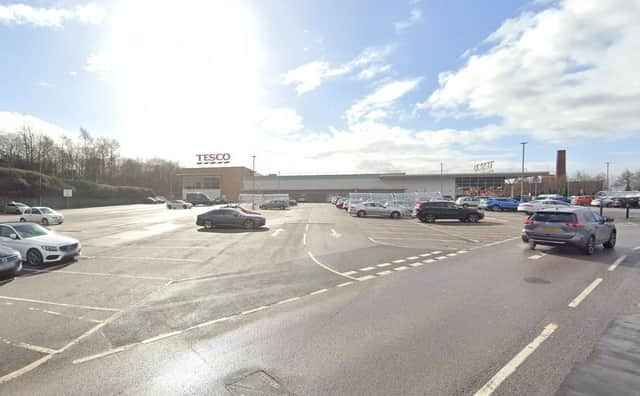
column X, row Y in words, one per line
column 332, row 86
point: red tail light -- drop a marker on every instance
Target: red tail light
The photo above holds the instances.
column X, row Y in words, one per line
column 575, row 225
column 528, row 221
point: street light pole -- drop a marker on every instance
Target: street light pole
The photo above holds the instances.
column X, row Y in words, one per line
column 522, row 174
column 608, row 187
column 40, row 204
column 253, row 182
column 441, row 178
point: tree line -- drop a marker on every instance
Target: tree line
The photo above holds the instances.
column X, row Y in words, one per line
column 95, row 159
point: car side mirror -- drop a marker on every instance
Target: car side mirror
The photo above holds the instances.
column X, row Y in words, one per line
column 13, row 236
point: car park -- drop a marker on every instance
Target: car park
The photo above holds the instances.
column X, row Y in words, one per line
column 536, row 205
column 500, row 204
column 469, row 201
column 10, row 261
column 42, row 215
column 179, row 204
column 571, row 226
column 626, row 202
column 430, row 211
column 230, row 217
column 376, row 209
column 36, row 244
column 275, row 204
column 15, row 208
column 602, row 201
column 582, row 200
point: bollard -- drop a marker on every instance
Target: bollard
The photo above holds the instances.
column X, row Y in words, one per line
column 601, row 208
column 627, row 215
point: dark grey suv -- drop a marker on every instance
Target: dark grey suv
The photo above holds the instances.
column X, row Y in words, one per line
column 10, row 261
column 573, row 226
column 230, row 217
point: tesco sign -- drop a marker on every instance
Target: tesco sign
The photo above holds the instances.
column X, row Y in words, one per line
column 208, row 159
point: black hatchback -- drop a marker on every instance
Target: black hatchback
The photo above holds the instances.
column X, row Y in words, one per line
column 429, row 212
column 230, row 217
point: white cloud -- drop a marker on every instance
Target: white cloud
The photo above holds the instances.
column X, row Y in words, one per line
column 414, row 17
column 45, row 84
column 563, row 73
column 100, row 62
column 73, row 73
column 376, row 105
column 311, row 75
column 22, row 14
column 372, row 71
column 11, row 122
column 281, row 121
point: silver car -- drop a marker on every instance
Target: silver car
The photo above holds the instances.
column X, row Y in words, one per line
column 376, row 209
column 230, row 217
column 572, row 226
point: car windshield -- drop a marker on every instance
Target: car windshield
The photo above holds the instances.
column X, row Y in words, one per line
column 45, row 211
column 29, row 230
column 554, row 217
column 20, row 204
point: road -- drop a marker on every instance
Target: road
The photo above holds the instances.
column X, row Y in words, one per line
column 316, row 303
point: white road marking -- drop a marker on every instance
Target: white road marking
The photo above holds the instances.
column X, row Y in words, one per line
column 496, row 243
column 386, row 244
column 617, row 262
column 318, row 292
column 452, row 254
column 367, row 277
column 276, row 232
column 250, row 311
column 60, row 304
column 398, row 261
column 636, row 248
column 36, row 348
column 383, row 265
column 514, row 363
column 401, row 268
column 429, row 261
column 366, row 269
column 304, row 239
column 146, row 258
column 99, row 274
column 576, row 301
column 413, row 258
column 462, row 251
column 306, row 228
column 535, row 257
column 441, row 257
column 209, row 322
column 350, row 273
column 99, row 355
column 437, row 252
column 416, row 264
column 327, row 267
column 335, row 234
column 344, row 284
column 383, row 273
column 425, row 255
column 288, row 300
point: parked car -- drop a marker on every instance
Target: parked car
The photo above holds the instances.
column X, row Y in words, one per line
column 555, row 197
column 15, row 208
column 275, row 204
column 42, row 215
column 10, row 261
column 582, row 200
column 198, row 198
column 220, row 200
column 624, row 202
column 160, row 199
column 469, row 201
column 179, row 204
column 500, row 204
column 430, row 211
column 245, row 210
column 340, row 203
column 149, row 200
column 293, row 202
column 36, row 244
column 570, row 226
column 230, row 217
column 346, row 204
column 376, row 209
column 603, row 201
column 536, row 205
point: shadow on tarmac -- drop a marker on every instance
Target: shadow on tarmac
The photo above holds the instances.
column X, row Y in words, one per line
column 232, row 230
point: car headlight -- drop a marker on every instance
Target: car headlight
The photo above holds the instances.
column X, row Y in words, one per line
column 50, row 248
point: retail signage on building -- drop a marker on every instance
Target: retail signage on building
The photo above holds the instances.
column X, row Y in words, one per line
column 486, row 166
column 213, row 159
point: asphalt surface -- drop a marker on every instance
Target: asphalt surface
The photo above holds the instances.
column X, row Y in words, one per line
column 316, row 303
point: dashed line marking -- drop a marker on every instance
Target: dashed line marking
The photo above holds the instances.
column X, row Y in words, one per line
column 60, row 304
column 452, row 254
column 304, row 239
column 413, row 258
column 401, row 268
column 617, row 262
column 425, row 255
column 366, row 269
column 250, row 311
column 99, row 355
column 535, row 257
column 576, row 301
column 367, row 277
column 437, row 252
column 429, row 261
column 350, row 273
column 306, row 228
column 462, row 251
column 210, row 322
column 441, row 257
column 416, row 264
column 383, row 265
column 288, row 300
column 318, row 292
column 383, row 273
column 398, row 261
column 160, row 337
column 315, row 260
column 517, row 360
column 344, row 284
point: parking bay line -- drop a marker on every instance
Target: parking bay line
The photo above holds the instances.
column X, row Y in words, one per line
column 315, row 260
column 99, row 274
column 517, row 360
column 60, row 304
column 144, row 258
column 576, row 301
column 617, row 262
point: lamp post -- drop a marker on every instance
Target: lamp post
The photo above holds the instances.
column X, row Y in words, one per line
column 253, row 184
column 522, row 174
column 441, row 178
column 608, row 187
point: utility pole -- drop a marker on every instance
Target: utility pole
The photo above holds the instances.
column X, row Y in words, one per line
column 608, row 187
column 441, row 178
column 253, row 182
column 522, row 174
column 40, row 204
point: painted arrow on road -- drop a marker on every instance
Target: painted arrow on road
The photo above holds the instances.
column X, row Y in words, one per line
column 335, row 234
column 278, row 231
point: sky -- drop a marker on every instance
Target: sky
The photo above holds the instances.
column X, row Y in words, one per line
column 332, row 86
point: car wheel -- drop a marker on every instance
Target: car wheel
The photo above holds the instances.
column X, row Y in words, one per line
column 500, row 209
column 249, row 225
column 465, row 206
column 611, row 243
column 532, row 245
column 34, row 257
column 430, row 219
column 473, row 218
column 22, row 220
column 361, row 213
column 395, row 215
column 590, row 247
column 422, row 219
column 208, row 224
column 184, row 206
column 44, row 221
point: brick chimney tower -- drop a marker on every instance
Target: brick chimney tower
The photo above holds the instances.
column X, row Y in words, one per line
column 561, row 171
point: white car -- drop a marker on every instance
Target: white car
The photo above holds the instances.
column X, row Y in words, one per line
column 536, row 205
column 36, row 244
column 604, row 201
column 179, row 204
column 42, row 215
column 377, row 209
column 469, row 201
